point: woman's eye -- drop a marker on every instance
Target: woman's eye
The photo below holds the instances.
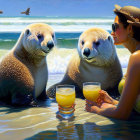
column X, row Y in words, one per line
column 82, row 42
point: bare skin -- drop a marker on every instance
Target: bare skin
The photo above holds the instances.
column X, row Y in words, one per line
column 105, row 105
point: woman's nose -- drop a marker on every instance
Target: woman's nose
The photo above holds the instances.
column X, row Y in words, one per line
column 112, row 33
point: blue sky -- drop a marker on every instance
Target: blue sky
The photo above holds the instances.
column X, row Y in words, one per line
column 83, row 8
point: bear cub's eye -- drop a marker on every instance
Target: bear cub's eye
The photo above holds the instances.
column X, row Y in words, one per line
column 97, row 43
column 82, row 42
column 53, row 36
column 39, row 36
column 27, row 31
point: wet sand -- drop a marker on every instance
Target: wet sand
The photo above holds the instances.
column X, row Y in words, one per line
column 42, row 123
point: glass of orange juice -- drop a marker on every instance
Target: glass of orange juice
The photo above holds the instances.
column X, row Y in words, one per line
column 65, row 97
column 91, row 90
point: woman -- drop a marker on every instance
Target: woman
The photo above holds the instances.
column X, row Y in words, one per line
column 126, row 31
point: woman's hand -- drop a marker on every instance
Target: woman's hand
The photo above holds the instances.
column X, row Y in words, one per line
column 97, row 109
column 103, row 101
column 105, row 98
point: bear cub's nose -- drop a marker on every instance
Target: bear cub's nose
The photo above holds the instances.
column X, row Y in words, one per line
column 50, row 44
column 86, row 52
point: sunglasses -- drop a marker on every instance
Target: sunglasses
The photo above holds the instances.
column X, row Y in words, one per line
column 115, row 26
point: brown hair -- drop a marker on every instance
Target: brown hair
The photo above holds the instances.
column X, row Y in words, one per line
column 123, row 19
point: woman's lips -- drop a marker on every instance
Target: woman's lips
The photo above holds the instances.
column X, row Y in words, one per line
column 114, row 37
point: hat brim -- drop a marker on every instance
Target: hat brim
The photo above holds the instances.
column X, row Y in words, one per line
column 134, row 23
column 131, row 20
column 117, row 7
column 118, row 10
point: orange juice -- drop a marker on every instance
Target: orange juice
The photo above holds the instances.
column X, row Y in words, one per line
column 91, row 92
column 65, row 97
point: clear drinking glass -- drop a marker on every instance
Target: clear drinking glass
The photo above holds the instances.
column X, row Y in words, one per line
column 65, row 97
column 91, row 90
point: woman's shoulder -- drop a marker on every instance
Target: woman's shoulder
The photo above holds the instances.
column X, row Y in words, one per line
column 136, row 53
column 135, row 56
column 134, row 61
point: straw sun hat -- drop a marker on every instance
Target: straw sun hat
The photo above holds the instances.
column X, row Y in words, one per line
column 131, row 13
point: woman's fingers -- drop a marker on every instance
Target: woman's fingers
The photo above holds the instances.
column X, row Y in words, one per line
column 90, row 102
column 102, row 92
column 105, row 97
column 88, row 107
column 103, row 101
column 106, row 105
column 93, row 109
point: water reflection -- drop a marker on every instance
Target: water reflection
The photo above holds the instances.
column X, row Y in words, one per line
column 46, row 135
column 41, row 123
column 91, row 132
column 67, row 130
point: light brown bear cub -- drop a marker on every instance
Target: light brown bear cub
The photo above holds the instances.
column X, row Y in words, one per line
column 23, row 71
column 96, row 61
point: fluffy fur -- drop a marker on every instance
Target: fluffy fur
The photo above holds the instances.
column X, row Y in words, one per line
column 24, row 72
column 96, row 61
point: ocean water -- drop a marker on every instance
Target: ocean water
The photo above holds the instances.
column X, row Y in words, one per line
column 60, row 24
column 67, row 31
column 41, row 123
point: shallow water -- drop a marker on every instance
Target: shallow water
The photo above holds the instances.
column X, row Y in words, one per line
column 42, row 123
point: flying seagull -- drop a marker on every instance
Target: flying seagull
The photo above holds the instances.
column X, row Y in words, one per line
column 26, row 12
column 1, row 12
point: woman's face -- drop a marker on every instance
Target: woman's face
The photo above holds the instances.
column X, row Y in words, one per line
column 120, row 34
